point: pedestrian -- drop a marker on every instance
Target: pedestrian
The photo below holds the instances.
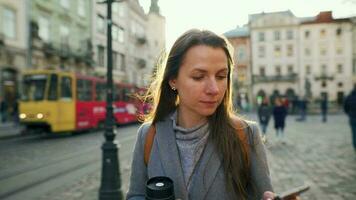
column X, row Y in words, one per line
column 324, row 108
column 303, row 106
column 199, row 143
column 279, row 116
column 264, row 114
column 3, row 109
column 350, row 110
column 16, row 113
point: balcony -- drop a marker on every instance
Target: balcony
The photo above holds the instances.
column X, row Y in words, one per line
column 276, row 78
column 323, row 77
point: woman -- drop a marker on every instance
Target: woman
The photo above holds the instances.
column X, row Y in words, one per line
column 279, row 115
column 196, row 144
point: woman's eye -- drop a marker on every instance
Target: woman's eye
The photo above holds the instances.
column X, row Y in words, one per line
column 197, row 78
column 222, row 77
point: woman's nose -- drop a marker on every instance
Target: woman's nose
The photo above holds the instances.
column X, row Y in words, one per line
column 212, row 87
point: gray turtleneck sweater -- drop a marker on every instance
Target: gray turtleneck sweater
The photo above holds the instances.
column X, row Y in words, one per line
column 190, row 143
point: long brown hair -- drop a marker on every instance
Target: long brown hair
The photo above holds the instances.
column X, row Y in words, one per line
column 223, row 128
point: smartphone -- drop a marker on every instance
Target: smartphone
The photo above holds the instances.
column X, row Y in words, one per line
column 293, row 193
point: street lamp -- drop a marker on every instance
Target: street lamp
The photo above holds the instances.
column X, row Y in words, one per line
column 110, row 187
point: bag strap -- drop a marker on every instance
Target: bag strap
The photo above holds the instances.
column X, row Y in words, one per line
column 148, row 143
column 152, row 132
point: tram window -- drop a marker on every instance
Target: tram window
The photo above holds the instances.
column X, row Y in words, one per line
column 52, row 93
column 84, row 90
column 34, row 87
column 100, row 92
column 66, row 89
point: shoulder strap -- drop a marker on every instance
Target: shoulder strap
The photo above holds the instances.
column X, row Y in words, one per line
column 152, row 132
column 241, row 134
column 148, row 143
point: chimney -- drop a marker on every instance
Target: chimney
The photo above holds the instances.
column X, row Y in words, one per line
column 324, row 17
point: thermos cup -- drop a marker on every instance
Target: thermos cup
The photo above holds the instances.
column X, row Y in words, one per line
column 159, row 188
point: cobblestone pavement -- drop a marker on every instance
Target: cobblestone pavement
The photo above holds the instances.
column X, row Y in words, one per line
column 313, row 153
column 317, row 154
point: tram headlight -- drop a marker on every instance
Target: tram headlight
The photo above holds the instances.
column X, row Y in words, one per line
column 39, row 115
column 22, row 116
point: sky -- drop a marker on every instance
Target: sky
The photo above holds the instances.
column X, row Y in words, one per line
column 221, row 16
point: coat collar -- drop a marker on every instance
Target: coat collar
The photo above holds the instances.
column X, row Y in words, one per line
column 208, row 165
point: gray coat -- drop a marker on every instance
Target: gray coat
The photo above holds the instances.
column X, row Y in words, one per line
column 208, row 178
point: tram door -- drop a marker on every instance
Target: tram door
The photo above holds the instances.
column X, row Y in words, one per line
column 66, row 105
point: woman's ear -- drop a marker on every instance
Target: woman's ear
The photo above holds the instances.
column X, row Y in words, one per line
column 172, row 83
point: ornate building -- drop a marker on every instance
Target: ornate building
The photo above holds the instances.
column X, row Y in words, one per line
column 240, row 40
column 138, row 38
column 274, row 39
column 60, row 36
column 13, row 49
column 325, row 57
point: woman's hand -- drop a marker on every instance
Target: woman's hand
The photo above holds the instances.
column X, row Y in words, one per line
column 268, row 195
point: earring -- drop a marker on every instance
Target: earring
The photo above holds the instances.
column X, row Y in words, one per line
column 173, row 88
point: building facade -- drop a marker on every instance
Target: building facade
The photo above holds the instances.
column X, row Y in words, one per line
column 274, row 44
column 13, row 50
column 60, row 35
column 326, row 57
column 240, row 41
column 137, row 40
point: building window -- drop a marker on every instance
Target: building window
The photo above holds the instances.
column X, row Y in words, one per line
column 339, row 50
column 322, row 33
column 100, row 24
column 290, row 69
column 290, row 34
column 323, row 84
column 307, row 69
column 289, row 50
column 262, row 71
column 115, row 32
column 64, row 34
column 277, row 35
column 323, row 50
column 240, row 53
column 340, row 84
column 115, row 60
column 307, row 34
column 122, row 62
column 81, row 8
column 8, row 23
column 64, row 3
column 277, row 51
column 339, row 68
column 307, row 51
column 323, row 69
column 118, row 9
column 101, row 54
column 43, row 24
column 261, row 51
column 338, row 31
column 121, row 34
column 278, row 70
column 261, row 36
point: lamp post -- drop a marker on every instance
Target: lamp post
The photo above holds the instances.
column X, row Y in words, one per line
column 110, row 187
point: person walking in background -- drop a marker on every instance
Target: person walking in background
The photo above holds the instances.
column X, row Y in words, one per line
column 197, row 140
column 303, row 106
column 264, row 114
column 324, row 108
column 3, row 110
column 350, row 110
column 279, row 116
